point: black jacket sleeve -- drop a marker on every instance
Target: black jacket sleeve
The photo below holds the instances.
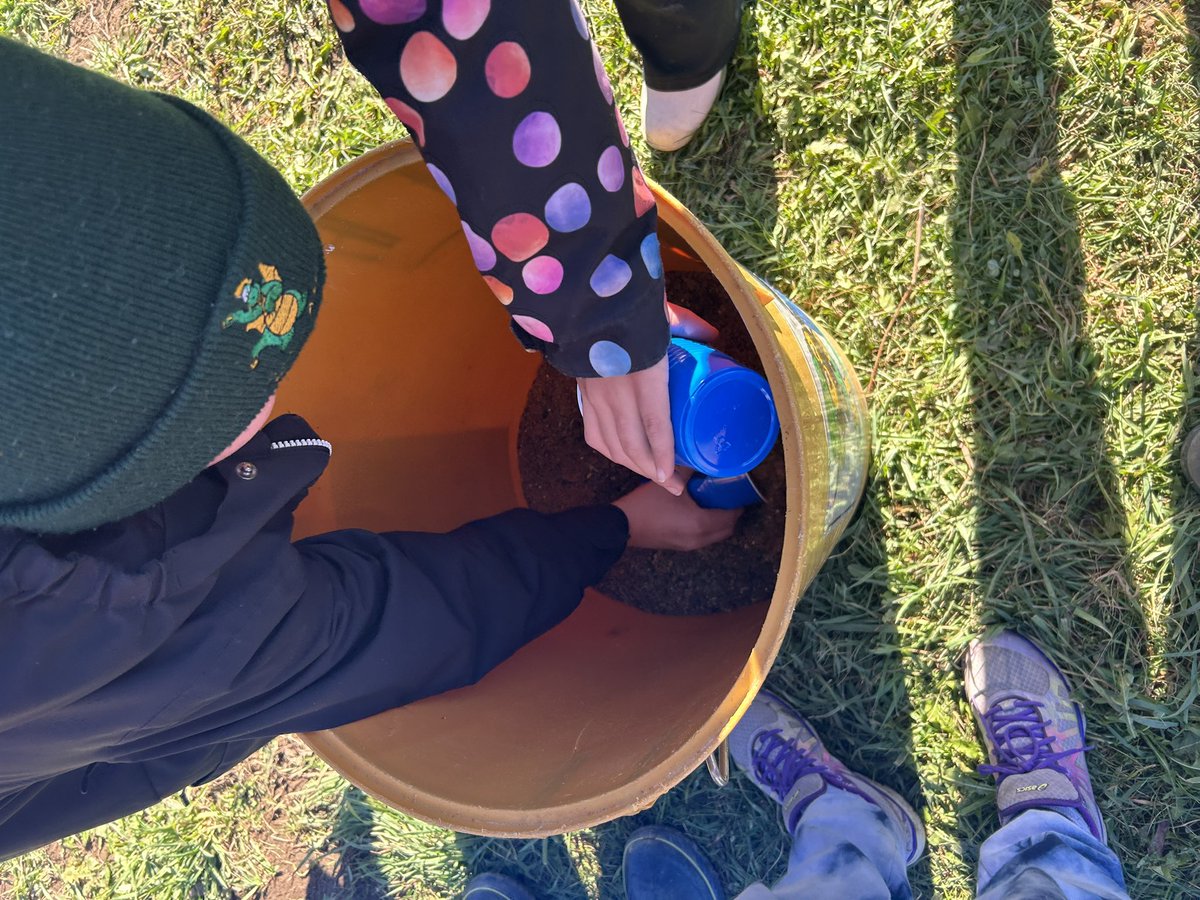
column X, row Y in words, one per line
column 159, row 651
column 512, row 110
column 425, row 613
column 312, row 635
column 377, row 621
column 234, row 632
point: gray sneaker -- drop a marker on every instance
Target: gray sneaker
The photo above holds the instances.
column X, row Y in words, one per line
column 782, row 754
column 1033, row 731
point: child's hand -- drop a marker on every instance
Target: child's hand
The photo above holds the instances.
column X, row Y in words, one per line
column 628, row 417
column 659, row 520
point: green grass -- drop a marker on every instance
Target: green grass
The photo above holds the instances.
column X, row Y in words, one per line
column 1034, row 366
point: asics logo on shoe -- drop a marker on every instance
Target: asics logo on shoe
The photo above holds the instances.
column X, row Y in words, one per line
column 1032, row 787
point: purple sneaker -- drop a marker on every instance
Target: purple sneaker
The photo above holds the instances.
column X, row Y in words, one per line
column 782, row 754
column 1034, row 732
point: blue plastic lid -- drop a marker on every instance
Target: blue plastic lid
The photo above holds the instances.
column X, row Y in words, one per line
column 730, row 423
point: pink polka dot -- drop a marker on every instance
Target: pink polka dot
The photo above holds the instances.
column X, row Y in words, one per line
column 502, row 291
column 519, row 236
column 542, row 274
column 536, row 327
column 537, row 140
column 507, row 70
column 392, row 12
column 611, row 169
column 462, row 18
column 409, row 117
column 621, row 129
column 342, row 17
column 481, row 250
column 427, row 67
column 643, row 200
column 601, row 75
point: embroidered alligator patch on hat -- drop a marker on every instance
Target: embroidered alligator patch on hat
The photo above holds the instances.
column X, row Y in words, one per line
column 269, row 310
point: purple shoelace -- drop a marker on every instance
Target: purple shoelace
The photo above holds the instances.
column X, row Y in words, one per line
column 779, row 763
column 1018, row 732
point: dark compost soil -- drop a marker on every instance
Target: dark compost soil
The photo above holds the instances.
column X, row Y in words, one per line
column 559, row 470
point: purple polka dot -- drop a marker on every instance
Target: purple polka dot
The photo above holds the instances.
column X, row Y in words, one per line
column 536, row 327
column 427, row 67
column 537, row 140
column 652, row 255
column 392, row 12
column 568, row 208
column 462, row 18
column 610, row 276
column 601, row 75
column 611, row 169
column 481, row 250
column 542, row 274
column 507, row 70
column 580, row 20
column 442, row 181
column 609, row 359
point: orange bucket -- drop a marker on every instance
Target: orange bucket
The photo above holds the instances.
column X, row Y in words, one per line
column 415, row 377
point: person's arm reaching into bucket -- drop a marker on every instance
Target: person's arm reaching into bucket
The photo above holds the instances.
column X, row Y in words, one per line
column 445, row 609
column 511, row 108
column 137, row 683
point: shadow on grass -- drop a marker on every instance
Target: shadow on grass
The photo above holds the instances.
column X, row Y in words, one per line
column 1173, row 840
column 841, row 664
column 1053, row 563
column 355, row 872
column 544, row 865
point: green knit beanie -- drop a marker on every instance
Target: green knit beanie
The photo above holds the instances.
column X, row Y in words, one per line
column 157, row 279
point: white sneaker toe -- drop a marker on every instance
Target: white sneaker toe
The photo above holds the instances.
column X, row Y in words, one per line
column 670, row 118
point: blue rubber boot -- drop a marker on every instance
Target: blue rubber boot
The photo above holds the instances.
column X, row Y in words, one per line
column 493, row 886
column 662, row 864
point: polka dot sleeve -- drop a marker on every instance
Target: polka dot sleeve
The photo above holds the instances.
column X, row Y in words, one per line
column 510, row 106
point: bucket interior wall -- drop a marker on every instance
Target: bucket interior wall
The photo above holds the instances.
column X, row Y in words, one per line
column 416, row 379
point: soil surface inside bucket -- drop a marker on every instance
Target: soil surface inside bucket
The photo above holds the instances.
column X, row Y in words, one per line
column 559, row 470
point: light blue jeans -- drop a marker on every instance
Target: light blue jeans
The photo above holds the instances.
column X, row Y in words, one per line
column 844, row 848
